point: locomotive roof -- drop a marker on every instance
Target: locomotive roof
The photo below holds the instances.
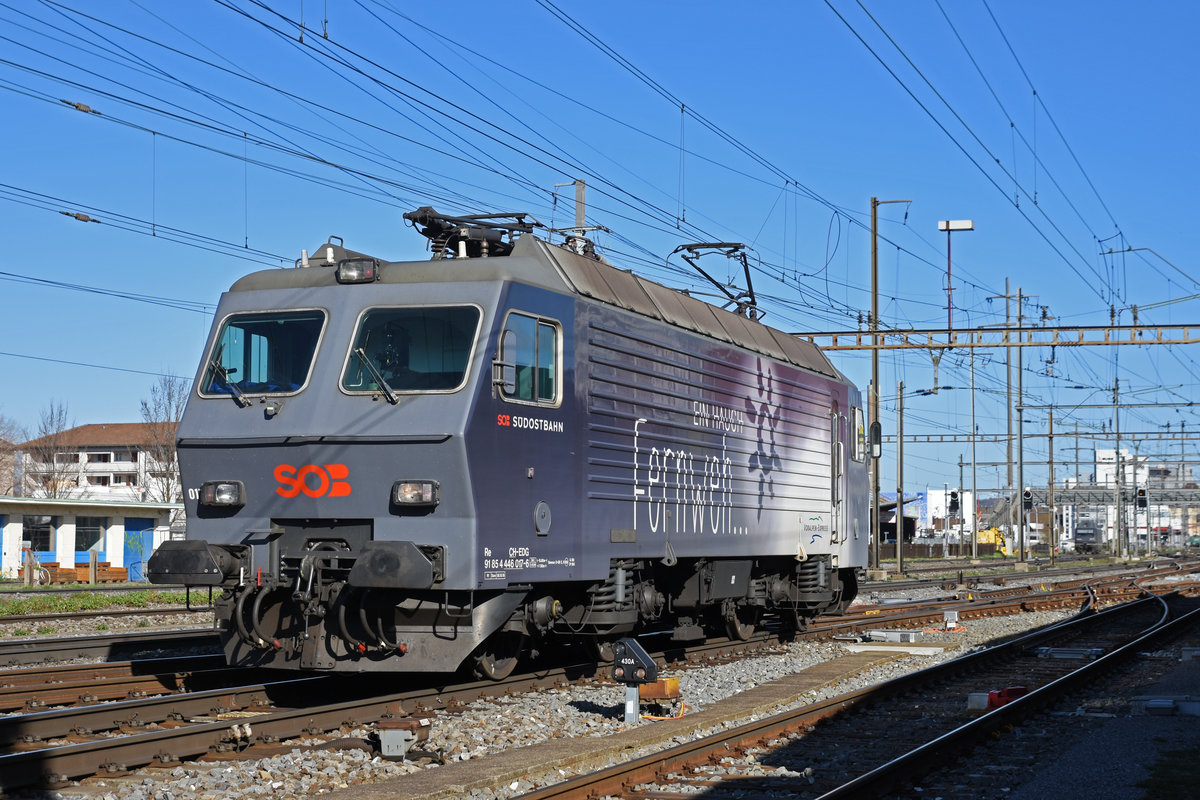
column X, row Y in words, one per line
column 539, row 263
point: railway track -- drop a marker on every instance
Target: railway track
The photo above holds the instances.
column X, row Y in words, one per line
column 966, row 562
column 1080, row 593
column 230, row 717
column 15, row 652
column 48, row 748
column 959, row 573
column 168, row 611
column 103, row 683
column 31, row 650
column 10, row 587
column 48, row 686
column 838, row 748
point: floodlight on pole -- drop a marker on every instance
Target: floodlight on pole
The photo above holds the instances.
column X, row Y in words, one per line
column 949, row 226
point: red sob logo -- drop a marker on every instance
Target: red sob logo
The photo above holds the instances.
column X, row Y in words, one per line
column 313, row 480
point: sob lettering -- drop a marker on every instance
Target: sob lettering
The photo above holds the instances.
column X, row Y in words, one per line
column 313, row 480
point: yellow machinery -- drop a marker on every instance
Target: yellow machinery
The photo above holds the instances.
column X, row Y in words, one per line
column 995, row 537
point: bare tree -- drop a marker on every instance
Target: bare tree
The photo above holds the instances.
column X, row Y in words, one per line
column 50, row 464
column 161, row 413
column 11, row 433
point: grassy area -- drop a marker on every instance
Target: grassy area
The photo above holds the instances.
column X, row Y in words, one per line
column 86, row 601
column 1173, row 777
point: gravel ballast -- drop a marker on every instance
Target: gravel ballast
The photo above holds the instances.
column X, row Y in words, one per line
column 487, row 727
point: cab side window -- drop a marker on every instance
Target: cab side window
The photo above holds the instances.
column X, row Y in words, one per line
column 860, row 435
column 532, row 345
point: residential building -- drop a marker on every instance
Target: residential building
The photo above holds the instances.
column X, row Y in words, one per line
column 118, row 462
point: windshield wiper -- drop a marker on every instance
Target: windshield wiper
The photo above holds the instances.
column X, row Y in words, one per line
column 388, row 391
column 235, row 392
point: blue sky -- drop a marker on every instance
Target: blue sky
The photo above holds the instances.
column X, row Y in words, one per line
column 223, row 144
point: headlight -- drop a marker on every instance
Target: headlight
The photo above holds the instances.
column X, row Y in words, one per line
column 416, row 493
column 357, row 270
column 223, row 493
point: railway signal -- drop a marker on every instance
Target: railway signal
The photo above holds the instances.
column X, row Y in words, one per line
column 1027, row 499
column 633, row 666
column 1142, row 500
column 954, row 505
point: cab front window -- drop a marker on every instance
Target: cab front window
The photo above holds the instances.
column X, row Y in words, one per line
column 268, row 352
column 413, row 349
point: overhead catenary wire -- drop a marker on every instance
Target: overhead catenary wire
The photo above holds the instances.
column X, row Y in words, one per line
column 135, row 225
column 677, row 102
column 1017, row 132
column 166, row 302
column 634, row 253
column 925, row 260
column 1049, row 116
column 108, row 367
column 1074, row 268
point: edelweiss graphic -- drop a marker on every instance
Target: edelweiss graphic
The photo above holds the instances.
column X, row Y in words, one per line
column 763, row 412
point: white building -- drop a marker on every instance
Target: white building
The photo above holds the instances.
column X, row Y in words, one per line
column 1134, row 468
column 121, row 462
column 68, row 532
column 937, row 508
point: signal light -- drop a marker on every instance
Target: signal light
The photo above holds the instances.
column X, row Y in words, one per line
column 954, row 501
column 1142, row 500
column 632, row 664
column 1027, row 499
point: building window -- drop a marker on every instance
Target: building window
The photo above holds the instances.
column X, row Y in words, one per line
column 124, row 479
column 66, row 458
column 531, row 345
column 99, row 458
column 89, row 532
column 98, row 480
column 39, row 532
column 125, row 455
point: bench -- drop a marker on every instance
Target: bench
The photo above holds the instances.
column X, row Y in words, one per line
column 105, row 572
column 60, row 574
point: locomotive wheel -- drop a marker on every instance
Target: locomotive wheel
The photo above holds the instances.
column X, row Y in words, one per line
column 740, row 622
column 497, row 657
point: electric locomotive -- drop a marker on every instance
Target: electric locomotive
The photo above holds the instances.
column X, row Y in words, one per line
column 444, row 464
